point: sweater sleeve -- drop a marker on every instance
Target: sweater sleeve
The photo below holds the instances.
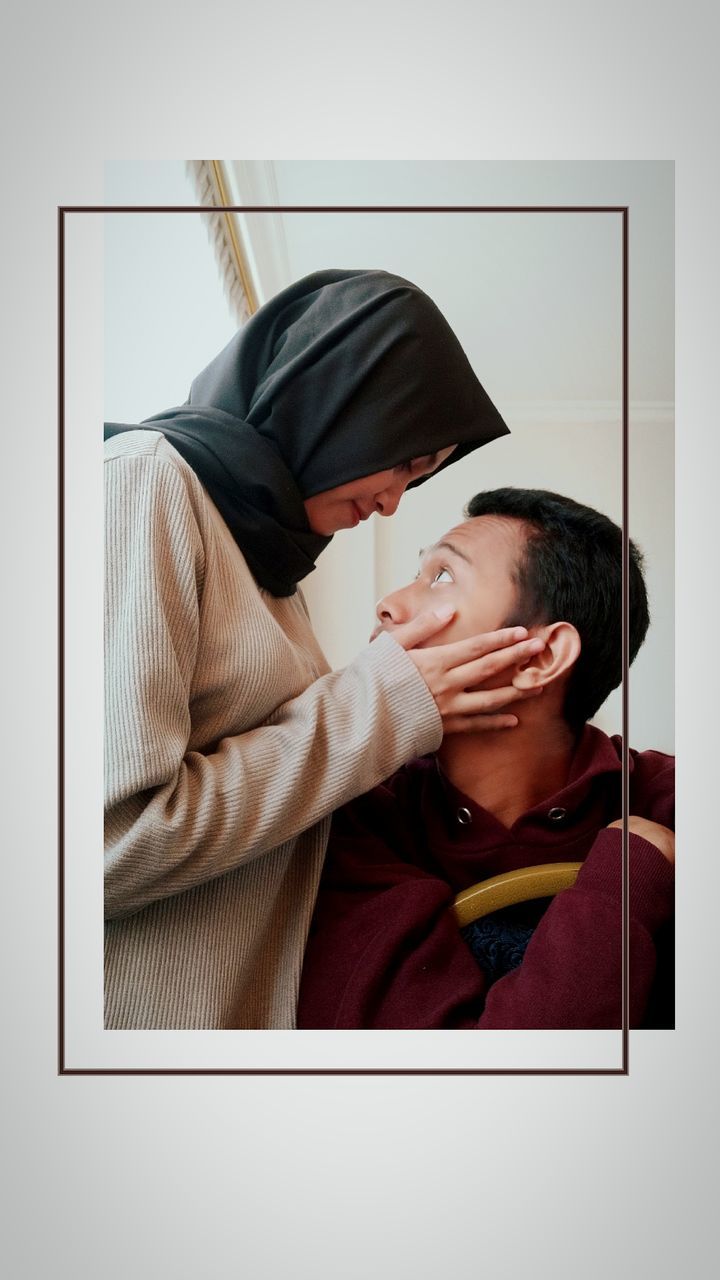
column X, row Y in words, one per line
column 571, row 975
column 177, row 817
column 385, row 949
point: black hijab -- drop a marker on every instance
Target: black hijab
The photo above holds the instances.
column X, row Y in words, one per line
column 343, row 374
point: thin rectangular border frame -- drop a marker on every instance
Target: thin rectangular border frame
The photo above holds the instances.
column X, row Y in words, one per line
column 624, row 1068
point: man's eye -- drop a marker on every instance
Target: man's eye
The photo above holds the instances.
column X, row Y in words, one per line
column 442, row 575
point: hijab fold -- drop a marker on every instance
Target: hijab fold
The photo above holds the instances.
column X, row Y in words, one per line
column 341, row 375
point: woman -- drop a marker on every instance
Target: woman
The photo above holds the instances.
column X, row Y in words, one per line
column 228, row 741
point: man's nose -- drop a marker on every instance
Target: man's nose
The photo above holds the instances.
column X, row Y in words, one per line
column 388, row 500
column 396, row 607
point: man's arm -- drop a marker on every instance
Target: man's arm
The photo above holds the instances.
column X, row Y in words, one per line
column 571, row 975
column 385, row 950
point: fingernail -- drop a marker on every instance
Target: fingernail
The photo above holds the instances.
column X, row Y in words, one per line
column 444, row 614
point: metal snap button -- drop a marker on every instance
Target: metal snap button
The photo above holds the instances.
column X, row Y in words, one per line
column 557, row 814
column 464, row 816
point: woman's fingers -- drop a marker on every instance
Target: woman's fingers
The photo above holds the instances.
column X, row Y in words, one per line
column 468, row 675
column 478, row 724
column 456, row 673
column 426, row 625
column 467, row 709
column 478, row 702
column 445, row 668
column 431, row 623
column 459, row 652
column 482, row 702
column 473, row 712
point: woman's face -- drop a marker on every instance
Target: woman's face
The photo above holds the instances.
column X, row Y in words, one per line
column 346, row 505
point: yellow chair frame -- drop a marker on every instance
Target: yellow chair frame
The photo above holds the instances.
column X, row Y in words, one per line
column 542, row 881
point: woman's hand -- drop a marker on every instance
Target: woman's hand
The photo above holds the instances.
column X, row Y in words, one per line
column 662, row 837
column 453, row 672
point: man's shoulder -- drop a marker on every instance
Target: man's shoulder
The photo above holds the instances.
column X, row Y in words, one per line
column 652, row 761
column 652, row 785
column 647, row 763
column 651, row 757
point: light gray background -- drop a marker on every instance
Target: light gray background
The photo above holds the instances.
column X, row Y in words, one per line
column 397, row 1177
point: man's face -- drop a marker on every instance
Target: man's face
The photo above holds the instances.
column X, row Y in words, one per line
column 471, row 569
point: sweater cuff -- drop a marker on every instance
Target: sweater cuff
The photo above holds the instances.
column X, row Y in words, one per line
column 406, row 692
column 652, row 877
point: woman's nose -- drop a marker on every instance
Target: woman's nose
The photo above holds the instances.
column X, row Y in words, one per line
column 388, row 500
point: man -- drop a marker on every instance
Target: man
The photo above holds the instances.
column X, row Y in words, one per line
column 385, row 949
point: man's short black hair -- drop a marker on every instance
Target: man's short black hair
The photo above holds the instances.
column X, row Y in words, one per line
column 571, row 571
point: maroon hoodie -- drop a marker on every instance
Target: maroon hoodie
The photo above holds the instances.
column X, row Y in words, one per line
column 385, row 949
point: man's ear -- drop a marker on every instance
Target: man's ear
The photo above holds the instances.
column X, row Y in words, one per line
column 561, row 652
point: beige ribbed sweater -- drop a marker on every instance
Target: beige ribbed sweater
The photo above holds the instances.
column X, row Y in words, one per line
column 228, row 743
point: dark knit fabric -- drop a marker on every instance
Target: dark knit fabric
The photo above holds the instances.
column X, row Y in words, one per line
column 498, row 943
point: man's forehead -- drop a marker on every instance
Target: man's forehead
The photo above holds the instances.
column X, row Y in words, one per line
column 469, row 537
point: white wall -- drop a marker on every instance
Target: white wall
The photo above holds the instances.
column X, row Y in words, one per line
column 500, row 276
column 165, row 312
